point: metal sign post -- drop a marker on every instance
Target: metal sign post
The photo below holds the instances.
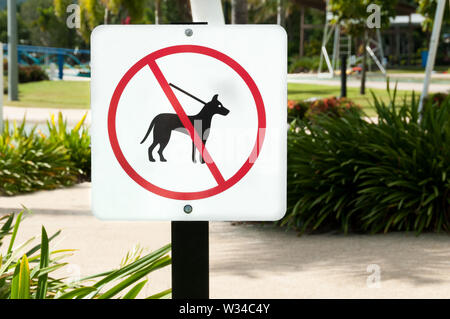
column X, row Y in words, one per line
column 153, row 105
column 190, row 252
column 190, row 260
column 190, row 240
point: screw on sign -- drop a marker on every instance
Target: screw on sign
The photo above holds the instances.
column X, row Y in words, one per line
column 163, row 124
column 189, row 128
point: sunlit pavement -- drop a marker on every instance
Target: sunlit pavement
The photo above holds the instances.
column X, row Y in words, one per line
column 411, row 83
column 37, row 115
column 250, row 261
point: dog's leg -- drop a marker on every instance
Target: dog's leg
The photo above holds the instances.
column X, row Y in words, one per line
column 150, row 150
column 162, row 145
column 160, row 152
column 193, row 153
column 202, row 160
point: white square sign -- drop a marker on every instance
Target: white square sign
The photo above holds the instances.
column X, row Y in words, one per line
column 189, row 122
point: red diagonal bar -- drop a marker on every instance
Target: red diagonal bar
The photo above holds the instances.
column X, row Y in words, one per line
column 186, row 122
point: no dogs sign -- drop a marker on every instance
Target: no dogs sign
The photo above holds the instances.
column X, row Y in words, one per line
column 189, row 122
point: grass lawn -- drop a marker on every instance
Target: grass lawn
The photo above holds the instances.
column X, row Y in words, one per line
column 300, row 91
column 71, row 94
column 418, row 69
column 52, row 94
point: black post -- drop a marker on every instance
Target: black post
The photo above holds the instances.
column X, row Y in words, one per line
column 343, row 75
column 190, row 260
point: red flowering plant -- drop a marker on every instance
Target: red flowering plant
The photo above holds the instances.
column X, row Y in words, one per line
column 332, row 106
column 297, row 109
column 335, row 107
column 437, row 98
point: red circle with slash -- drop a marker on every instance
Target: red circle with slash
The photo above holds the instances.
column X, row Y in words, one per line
column 150, row 60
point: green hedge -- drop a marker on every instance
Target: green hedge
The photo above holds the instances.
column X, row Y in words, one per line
column 349, row 174
column 27, row 73
column 331, row 106
column 34, row 161
column 303, row 64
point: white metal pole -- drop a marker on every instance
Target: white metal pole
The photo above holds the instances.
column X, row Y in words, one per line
column 432, row 51
column 380, row 48
column 207, row 11
column 280, row 12
column 327, row 60
column 1, row 87
column 377, row 62
column 336, row 46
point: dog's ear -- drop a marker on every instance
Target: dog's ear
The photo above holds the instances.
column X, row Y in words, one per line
column 215, row 97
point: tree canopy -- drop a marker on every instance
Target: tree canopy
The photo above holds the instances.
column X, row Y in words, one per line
column 353, row 15
column 427, row 8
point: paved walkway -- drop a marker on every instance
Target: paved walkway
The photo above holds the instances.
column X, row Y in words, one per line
column 250, row 261
column 42, row 115
column 305, row 78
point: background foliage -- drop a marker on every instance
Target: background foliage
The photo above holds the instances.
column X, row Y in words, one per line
column 29, row 270
column 332, row 106
column 428, row 9
column 32, row 161
column 349, row 174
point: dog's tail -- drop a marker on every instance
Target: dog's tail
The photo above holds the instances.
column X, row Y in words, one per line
column 149, row 130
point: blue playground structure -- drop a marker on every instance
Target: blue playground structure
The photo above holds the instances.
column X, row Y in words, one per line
column 37, row 55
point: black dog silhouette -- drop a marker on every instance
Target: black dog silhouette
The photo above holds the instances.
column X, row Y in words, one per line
column 163, row 124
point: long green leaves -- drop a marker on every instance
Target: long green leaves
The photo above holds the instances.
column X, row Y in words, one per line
column 14, row 234
column 20, row 287
column 43, row 277
column 160, row 263
column 31, row 275
column 354, row 175
column 30, row 160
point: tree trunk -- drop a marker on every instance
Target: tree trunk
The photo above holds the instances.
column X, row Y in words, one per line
column 364, row 66
column 158, row 12
column 185, row 10
column 239, row 12
column 106, row 16
column 281, row 12
column 302, row 31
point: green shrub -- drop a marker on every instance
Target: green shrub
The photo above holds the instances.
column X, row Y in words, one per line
column 77, row 142
column 29, row 162
column 304, row 64
column 297, row 109
column 349, row 174
column 437, row 98
column 31, row 73
column 33, row 161
column 27, row 272
column 331, row 106
column 27, row 73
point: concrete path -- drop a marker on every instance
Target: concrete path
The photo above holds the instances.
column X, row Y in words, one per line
column 356, row 83
column 37, row 115
column 251, row 261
